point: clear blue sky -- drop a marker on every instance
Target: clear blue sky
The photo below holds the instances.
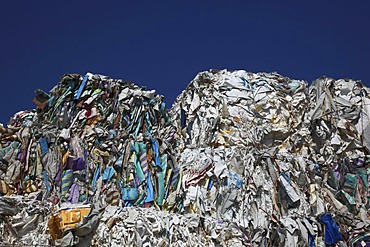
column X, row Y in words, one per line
column 164, row 44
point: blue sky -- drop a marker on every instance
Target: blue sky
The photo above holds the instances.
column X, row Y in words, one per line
column 164, row 44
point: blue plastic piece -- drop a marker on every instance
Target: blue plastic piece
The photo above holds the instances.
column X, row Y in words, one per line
column 96, row 176
column 44, row 146
column 149, row 190
column 332, row 234
column 79, row 92
column 108, row 173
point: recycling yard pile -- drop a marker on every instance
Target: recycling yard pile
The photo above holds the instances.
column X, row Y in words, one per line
column 241, row 159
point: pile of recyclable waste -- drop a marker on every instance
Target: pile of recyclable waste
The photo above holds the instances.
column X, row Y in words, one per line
column 241, row 159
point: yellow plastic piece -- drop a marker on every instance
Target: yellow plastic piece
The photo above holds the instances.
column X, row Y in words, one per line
column 70, row 217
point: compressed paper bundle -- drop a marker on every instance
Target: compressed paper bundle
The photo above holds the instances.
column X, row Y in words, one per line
column 92, row 140
column 278, row 159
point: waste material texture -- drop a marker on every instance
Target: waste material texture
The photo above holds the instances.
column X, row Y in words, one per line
column 240, row 159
